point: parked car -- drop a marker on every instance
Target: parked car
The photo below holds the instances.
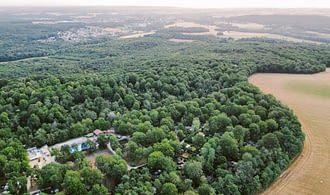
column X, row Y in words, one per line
column 179, row 161
column 38, row 192
column 54, row 191
column 157, row 172
column 4, row 187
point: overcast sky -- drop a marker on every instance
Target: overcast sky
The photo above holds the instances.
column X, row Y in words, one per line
column 178, row 3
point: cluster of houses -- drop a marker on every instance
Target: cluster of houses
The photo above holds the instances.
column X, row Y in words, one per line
column 39, row 157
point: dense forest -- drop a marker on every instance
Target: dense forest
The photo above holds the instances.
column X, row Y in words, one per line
column 172, row 99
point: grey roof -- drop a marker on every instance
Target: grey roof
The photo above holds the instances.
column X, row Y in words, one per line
column 71, row 142
column 35, row 152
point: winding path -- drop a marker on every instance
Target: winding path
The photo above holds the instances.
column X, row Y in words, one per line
column 24, row 59
column 310, row 172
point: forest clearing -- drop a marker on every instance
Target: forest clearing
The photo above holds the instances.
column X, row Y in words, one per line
column 310, row 173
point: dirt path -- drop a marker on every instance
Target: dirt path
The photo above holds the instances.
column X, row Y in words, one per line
column 25, row 59
column 310, row 173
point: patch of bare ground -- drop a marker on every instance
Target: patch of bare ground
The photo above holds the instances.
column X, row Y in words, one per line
column 249, row 26
column 92, row 156
column 26, row 59
column 323, row 35
column 212, row 29
column 181, row 40
column 137, row 34
column 310, row 172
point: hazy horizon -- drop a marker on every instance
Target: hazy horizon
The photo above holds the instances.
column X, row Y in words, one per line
column 174, row 3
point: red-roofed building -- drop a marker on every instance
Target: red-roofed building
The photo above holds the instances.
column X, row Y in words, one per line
column 98, row 132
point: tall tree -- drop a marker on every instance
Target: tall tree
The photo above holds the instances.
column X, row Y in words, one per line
column 98, row 189
column 194, row 171
column 72, row 184
column 113, row 166
column 90, row 177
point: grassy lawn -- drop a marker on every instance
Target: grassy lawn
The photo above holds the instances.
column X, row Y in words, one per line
column 318, row 89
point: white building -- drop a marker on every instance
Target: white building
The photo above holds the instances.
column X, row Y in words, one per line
column 39, row 157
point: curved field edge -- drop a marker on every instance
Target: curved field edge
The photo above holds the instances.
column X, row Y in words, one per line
column 230, row 104
column 157, row 93
column 309, row 172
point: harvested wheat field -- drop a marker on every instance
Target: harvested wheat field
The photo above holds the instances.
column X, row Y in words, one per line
column 242, row 35
column 137, row 34
column 308, row 96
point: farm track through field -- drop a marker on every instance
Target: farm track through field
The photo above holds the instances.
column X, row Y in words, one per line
column 25, row 59
column 310, row 172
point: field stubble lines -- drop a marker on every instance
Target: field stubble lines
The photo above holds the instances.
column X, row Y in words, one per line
column 310, row 172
